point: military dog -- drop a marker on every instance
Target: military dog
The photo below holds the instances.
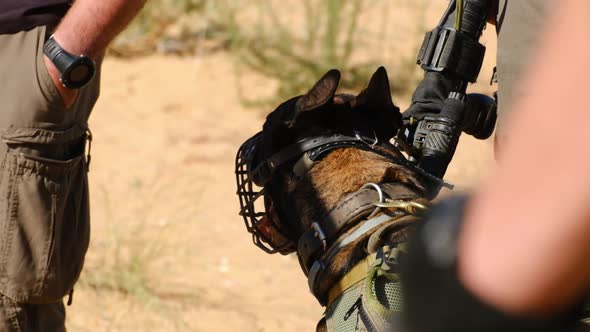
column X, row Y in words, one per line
column 337, row 192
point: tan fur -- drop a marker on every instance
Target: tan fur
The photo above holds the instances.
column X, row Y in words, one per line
column 343, row 172
column 340, row 173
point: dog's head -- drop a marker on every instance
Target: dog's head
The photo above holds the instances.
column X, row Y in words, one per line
column 320, row 112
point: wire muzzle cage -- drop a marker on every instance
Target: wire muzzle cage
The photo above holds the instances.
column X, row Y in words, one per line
column 260, row 219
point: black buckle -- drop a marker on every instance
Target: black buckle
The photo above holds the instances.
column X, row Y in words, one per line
column 320, row 235
column 446, row 49
column 312, row 280
column 311, row 242
column 436, row 48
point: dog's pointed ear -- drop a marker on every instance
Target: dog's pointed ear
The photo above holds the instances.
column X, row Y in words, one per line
column 378, row 94
column 376, row 99
column 322, row 94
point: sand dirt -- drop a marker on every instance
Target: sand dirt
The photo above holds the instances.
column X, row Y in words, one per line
column 168, row 250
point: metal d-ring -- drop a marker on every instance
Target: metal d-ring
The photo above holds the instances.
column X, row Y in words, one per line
column 320, row 235
column 378, row 189
column 364, row 140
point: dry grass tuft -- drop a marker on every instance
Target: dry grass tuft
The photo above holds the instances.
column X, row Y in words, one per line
column 291, row 42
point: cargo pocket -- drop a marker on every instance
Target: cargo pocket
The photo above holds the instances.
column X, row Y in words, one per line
column 44, row 206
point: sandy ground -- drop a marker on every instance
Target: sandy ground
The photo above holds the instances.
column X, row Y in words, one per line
column 168, row 251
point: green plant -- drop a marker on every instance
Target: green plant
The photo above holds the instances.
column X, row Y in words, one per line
column 274, row 49
column 291, row 42
column 123, row 264
column 331, row 37
column 159, row 21
column 125, row 270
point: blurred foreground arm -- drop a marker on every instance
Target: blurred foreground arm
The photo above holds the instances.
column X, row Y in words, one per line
column 520, row 262
column 525, row 243
column 88, row 28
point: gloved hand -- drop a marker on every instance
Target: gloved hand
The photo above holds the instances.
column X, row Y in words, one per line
column 480, row 110
column 429, row 96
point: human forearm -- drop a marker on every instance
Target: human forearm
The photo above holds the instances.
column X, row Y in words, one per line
column 525, row 243
column 88, row 28
column 91, row 25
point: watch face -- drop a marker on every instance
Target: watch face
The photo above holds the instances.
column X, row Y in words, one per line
column 79, row 73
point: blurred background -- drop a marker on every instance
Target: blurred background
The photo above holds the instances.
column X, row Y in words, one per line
column 182, row 88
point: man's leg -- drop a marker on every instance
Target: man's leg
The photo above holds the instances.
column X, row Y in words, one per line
column 520, row 24
column 10, row 315
column 31, row 317
column 44, row 215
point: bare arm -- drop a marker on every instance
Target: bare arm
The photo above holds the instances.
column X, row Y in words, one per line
column 88, row 28
column 525, row 244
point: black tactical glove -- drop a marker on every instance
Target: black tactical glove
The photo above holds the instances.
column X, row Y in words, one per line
column 429, row 96
column 479, row 117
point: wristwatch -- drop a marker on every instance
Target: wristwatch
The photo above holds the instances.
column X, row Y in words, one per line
column 76, row 70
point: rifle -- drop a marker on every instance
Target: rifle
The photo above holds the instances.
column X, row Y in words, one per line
column 451, row 57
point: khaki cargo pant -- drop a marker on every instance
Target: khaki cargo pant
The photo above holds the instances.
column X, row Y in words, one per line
column 44, row 216
column 521, row 23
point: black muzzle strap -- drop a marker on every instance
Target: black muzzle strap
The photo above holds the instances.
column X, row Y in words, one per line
column 321, row 144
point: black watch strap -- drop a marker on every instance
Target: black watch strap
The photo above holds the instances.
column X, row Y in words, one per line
column 66, row 63
column 61, row 58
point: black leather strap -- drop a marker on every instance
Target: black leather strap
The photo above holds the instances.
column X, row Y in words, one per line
column 263, row 172
column 345, row 215
column 67, row 63
column 318, row 272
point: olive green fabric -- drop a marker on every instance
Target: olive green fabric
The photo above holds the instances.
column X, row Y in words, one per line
column 345, row 316
column 373, row 303
column 521, row 24
column 31, row 317
column 44, row 214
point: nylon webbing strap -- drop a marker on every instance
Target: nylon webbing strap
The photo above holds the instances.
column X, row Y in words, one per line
column 352, row 209
column 357, row 274
column 317, row 272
